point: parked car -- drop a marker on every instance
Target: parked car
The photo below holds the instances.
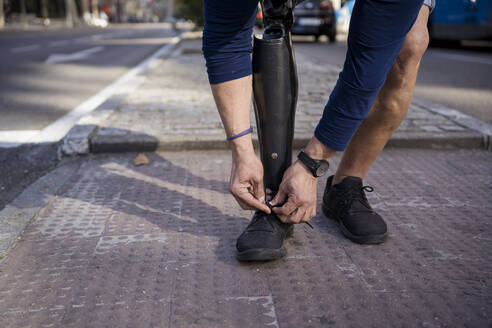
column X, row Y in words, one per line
column 315, row 17
column 259, row 17
column 452, row 21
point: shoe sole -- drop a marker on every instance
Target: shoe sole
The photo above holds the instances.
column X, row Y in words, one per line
column 364, row 240
column 263, row 254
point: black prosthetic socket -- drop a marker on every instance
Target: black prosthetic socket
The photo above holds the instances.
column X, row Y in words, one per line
column 275, row 90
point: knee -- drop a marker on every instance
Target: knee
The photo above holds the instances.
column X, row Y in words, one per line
column 414, row 47
column 390, row 111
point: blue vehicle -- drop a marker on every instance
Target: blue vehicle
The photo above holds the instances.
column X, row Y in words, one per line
column 454, row 20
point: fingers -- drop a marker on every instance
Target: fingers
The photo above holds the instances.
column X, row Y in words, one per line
column 309, row 214
column 286, row 210
column 279, row 197
column 258, row 191
column 242, row 204
column 298, row 215
column 289, row 213
column 312, row 214
column 248, row 202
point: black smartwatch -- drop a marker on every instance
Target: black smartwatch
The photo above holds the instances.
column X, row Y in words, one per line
column 318, row 167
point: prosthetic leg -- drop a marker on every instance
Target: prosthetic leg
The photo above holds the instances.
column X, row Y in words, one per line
column 275, row 90
column 275, row 95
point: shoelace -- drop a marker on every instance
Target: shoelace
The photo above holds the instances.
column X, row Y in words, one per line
column 280, row 205
column 352, row 194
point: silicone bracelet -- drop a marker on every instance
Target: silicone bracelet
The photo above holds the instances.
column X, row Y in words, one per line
column 240, row 134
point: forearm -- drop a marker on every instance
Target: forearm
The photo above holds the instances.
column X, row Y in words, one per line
column 233, row 100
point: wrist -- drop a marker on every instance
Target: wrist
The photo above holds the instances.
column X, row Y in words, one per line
column 241, row 147
column 316, row 150
column 304, row 169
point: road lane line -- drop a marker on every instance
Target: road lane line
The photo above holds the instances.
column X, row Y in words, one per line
column 18, row 50
column 79, row 55
column 124, row 85
column 464, row 58
column 13, row 138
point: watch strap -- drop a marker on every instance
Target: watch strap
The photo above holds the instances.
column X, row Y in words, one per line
column 310, row 163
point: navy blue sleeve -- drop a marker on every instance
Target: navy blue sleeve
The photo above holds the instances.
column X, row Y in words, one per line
column 227, row 38
column 376, row 34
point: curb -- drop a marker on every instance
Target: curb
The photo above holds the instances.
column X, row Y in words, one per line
column 87, row 136
column 112, row 142
column 25, row 207
column 484, row 129
column 77, row 140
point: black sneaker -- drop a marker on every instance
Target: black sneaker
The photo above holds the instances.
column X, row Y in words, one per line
column 263, row 238
column 347, row 203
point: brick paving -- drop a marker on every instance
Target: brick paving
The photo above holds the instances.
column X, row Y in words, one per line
column 154, row 246
column 174, row 109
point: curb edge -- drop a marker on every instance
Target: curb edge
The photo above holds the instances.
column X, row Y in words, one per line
column 458, row 117
column 77, row 140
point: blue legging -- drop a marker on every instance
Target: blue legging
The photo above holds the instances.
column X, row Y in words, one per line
column 376, row 35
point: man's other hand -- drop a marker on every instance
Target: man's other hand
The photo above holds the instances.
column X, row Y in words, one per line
column 246, row 183
column 298, row 191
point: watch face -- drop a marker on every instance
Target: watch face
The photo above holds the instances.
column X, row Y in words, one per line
column 322, row 168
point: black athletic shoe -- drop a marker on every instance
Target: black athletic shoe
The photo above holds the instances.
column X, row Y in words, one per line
column 347, row 203
column 263, row 238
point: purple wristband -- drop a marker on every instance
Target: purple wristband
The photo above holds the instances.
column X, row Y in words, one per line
column 240, row 134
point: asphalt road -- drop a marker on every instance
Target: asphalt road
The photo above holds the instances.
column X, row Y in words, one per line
column 37, row 88
column 45, row 75
column 460, row 78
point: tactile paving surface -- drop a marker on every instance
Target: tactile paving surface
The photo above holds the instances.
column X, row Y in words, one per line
column 154, row 246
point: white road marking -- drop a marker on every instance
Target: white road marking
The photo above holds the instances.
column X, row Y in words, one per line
column 61, row 58
column 58, row 43
column 464, row 58
column 95, row 37
column 126, row 83
column 13, row 138
column 18, row 50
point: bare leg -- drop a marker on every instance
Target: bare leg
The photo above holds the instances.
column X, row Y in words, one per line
column 390, row 107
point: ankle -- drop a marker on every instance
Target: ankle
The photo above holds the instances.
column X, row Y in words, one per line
column 340, row 177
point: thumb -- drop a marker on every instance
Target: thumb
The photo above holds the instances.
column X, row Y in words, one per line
column 279, row 197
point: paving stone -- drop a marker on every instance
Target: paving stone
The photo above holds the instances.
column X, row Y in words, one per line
column 173, row 109
column 154, row 246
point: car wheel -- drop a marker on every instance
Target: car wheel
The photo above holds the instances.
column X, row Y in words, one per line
column 332, row 37
column 316, row 38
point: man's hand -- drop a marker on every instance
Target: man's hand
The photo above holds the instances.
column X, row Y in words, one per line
column 298, row 188
column 246, row 183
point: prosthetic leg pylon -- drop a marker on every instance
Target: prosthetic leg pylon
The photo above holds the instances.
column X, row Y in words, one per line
column 275, row 88
column 275, row 95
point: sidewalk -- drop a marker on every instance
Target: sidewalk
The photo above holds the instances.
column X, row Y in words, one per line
column 154, row 246
column 111, row 244
column 173, row 109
